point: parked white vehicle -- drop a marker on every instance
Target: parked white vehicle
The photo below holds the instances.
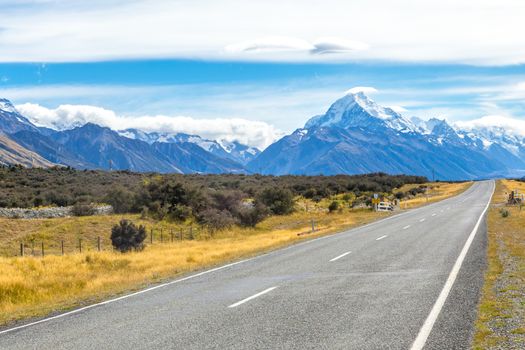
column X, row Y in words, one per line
column 385, row 206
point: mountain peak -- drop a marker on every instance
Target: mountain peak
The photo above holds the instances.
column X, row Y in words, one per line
column 7, row 106
column 356, row 109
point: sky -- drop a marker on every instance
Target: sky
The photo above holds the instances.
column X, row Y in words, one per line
column 253, row 71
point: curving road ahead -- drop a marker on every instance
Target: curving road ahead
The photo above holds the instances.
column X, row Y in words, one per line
column 411, row 281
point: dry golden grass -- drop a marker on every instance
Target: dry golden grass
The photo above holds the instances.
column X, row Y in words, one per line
column 501, row 314
column 35, row 286
column 437, row 191
column 52, row 231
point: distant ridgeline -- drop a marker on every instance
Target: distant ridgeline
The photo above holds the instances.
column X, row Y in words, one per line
column 355, row 136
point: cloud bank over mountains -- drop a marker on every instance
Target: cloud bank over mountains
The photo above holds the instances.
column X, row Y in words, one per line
column 253, row 133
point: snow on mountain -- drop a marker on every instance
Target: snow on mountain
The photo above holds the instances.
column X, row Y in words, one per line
column 225, row 149
column 7, row 106
column 356, row 135
column 10, row 120
column 355, row 109
column 238, row 151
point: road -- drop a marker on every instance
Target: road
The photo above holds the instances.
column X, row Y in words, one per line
column 411, row 281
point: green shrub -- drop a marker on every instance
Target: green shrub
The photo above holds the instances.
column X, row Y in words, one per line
column 83, row 209
column 333, row 206
column 126, row 236
column 121, row 199
column 250, row 216
column 504, row 213
column 280, row 201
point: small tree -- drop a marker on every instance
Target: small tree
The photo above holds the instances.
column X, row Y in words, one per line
column 250, row 216
column 121, row 199
column 126, row 236
column 333, row 206
column 280, row 201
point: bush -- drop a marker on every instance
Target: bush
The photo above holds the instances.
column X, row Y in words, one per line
column 504, row 213
column 121, row 200
column 279, row 200
column 215, row 219
column 83, row 209
column 126, row 236
column 333, row 206
column 251, row 216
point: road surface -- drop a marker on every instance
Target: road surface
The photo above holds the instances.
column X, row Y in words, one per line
column 411, row 281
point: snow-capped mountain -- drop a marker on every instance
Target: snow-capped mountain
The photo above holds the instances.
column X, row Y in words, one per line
column 230, row 150
column 356, row 135
column 11, row 121
column 356, row 110
column 91, row 146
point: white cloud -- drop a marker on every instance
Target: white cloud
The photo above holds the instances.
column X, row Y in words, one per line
column 364, row 89
column 470, row 31
column 270, row 44
column 398, row 109
column 512, row 126
column 320, row 46
column 337, row 45
column 254, row 133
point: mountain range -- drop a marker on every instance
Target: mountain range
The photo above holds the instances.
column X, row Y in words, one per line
column 354, row 136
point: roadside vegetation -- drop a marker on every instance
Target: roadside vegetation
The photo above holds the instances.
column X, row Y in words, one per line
column 501, row 314
column 176, row 224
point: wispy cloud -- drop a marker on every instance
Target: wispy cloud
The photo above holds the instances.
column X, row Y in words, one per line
column 472, row 31
column 322, row 46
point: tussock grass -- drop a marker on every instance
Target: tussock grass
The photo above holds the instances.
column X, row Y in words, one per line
column 437, row 191
column 501, row 313
column 36, row 286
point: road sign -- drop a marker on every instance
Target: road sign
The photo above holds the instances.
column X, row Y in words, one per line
column 376, row 201
column 376, row 196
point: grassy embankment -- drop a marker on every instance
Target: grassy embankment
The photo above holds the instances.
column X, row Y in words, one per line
column 35, row 286
column 501, row 314
column 436, row 191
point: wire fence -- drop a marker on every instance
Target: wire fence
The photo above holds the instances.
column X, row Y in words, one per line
column 40, row 247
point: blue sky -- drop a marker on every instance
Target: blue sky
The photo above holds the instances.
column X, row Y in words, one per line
column 261, row 69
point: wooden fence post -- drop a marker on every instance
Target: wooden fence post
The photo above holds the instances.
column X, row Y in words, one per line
column 80, row 245
column 62, row 246
column 98, row 243
column 313, row 225
column 171, row 233
column 181, row 233
column 161, row 237
column 21, row 249
column 42, row 249
column 151, row 237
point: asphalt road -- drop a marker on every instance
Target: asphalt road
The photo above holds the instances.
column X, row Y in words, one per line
column 401, row 283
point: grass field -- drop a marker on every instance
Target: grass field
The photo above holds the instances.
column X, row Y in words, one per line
column 436, row 191
column 35, row 286
column 501, row 314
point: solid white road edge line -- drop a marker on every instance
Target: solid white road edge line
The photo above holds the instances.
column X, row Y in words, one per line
column 223, row 267
column 124, row 296
column 425, row 330
column 340, row 256
column 252, row 297
column 380, row 238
